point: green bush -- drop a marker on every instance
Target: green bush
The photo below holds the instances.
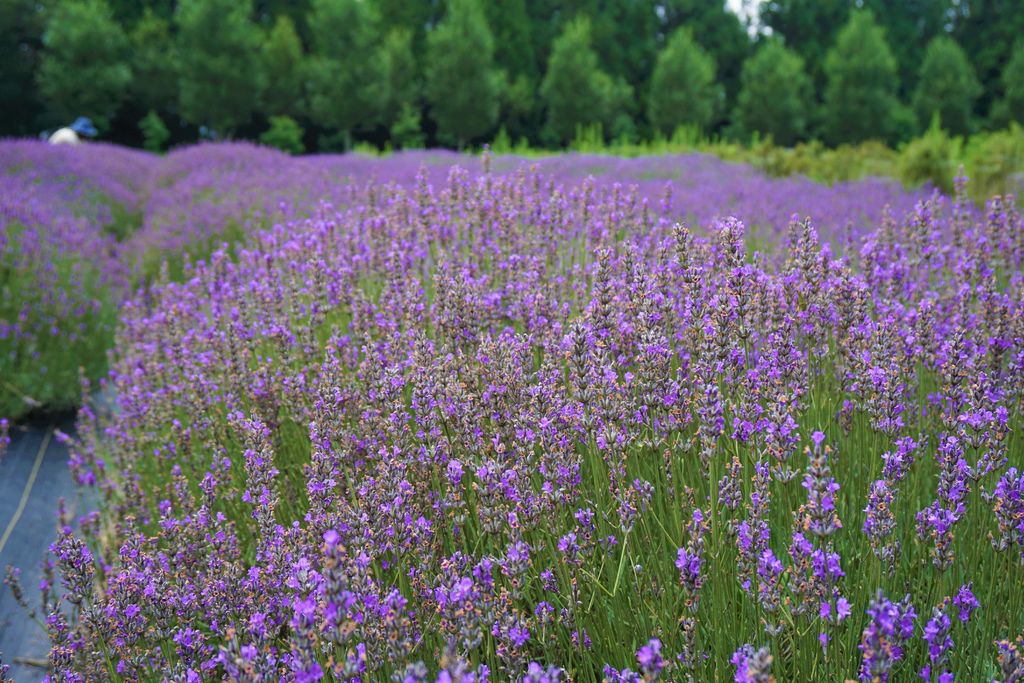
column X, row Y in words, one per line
column 933, row 158
column 284, row 134
column 154, row 132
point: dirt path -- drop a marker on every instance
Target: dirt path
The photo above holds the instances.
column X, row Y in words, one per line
column 33, row 477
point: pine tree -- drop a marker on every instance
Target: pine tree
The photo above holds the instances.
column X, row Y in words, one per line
column 575, row 89
column 400, row 78
column 283, row 64
column 947, row 87
column 775, row 98
column 860, row 98
column 21, row 32
column 683, row 87
column 154, row 64
column 84, row 68
column 221, row 76
column 1011, row 106
column 462, row 85
column 345, row 80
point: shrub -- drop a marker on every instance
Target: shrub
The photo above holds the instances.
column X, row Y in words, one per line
column 154, row 133
column 284, row 134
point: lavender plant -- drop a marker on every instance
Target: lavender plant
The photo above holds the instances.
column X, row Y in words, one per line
column 501, row 425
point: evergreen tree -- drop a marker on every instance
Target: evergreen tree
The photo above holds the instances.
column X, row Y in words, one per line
column 947, row 87
column 683, row 87
column 775, row 98
column 84, row 67
column 988, row 31
column 575, row 89
column 462, row 85
column 400, row 79
column 154, row 64
column 220, row 77
column 909, row 26
column 860, row 98
column 808, row 27
column 1012, row 104
column 345, row 80
column 21, row 33
column 719, row 31
column 513, row 49
column 283, row 63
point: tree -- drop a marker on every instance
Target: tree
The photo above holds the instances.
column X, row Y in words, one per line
column 575, row 89
column 516, row 60
column 947, row 87
column 154, row 132
column 909, row 26
column 346, row 89
column 21, row 34
column 462, row 85
column 1012, row 104
column 988, row 31
column 221, row 78
column 683, row 86
column 808, row 27
column 399, row 78
column 775, row 98
column 283, row 63
column 84, row 69
column 284, row 134
column 154, row 64
column 860, row 98
column 714, row 27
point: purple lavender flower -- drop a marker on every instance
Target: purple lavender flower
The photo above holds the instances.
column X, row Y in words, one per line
column 889, row 627
column 753, row 665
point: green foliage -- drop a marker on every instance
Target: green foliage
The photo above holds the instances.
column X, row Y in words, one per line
column 407, row 130
column 930, row 158
column 909, row 26
column 154, row 64
column 988, row 32
column 221, row 78
column 40, row 370
column 462, row 86
column 808, row 27
column 154, row 132
column 509, row 22
column 400, row 78
column 576, row 91
column 84, row 69
column 861, row 96
column 346, row 86
column 284, row 134
column 995, row 163
column 683, row 87
column 1012, row 104
column 775, row 98
column 21, row 32
column 283, row 64
column 947, row 87
column 716, row 29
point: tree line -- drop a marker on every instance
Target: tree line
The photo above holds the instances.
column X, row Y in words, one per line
column 325, row 74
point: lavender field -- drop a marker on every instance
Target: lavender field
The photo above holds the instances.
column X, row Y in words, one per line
column 440, row 417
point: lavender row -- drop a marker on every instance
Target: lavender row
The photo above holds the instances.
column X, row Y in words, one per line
column 505, row 427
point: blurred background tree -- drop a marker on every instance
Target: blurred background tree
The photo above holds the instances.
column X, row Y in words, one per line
column 220, row 74
column 462, row 85
column 775, row 97
column 459, row 72
column 83, row 68
column 947, row 87
column 684, row 91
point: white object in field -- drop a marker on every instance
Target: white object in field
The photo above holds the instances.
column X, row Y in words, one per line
column 64, row 136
